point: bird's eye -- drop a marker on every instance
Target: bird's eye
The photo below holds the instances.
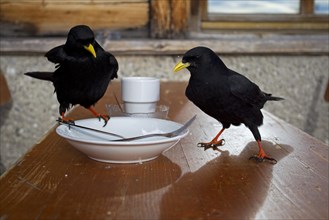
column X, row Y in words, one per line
column 81, row 42
column 85, row 41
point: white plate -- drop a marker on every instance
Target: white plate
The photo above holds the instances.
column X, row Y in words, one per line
column 101, row 147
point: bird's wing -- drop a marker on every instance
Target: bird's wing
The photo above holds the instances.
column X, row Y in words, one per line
column 114, row 64
column 247, row 91
column 56, row 55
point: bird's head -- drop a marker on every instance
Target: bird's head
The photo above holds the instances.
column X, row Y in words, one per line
column 80, row 40
column 198, row 58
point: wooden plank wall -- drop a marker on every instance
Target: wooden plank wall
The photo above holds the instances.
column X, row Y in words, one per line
column 169, row 18
column 57, row 16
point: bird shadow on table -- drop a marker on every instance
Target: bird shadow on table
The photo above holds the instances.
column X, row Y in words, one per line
column 227, row 187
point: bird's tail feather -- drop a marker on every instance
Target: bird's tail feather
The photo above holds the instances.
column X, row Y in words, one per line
column 49, row 76
column 273, row 98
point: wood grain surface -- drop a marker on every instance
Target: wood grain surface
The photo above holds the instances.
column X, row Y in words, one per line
column 55, row 181
column 57, row 16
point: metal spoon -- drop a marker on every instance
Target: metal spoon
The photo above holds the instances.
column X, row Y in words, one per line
column 168, row 134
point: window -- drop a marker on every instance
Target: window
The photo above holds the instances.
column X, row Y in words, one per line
column 265, row 14
column 321, row 7
column 253, row 7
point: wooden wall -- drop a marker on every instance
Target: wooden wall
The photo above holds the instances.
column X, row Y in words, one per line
column 161, row 18
column 169, row 18
column 55, row 16
column 158, row 18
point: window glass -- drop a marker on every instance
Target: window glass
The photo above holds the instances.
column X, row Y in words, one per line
column 254, row 6
column 321, row 7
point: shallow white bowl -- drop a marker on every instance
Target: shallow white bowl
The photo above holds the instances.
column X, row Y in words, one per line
column 101, row 147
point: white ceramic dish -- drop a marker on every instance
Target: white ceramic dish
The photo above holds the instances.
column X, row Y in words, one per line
column 101, row 147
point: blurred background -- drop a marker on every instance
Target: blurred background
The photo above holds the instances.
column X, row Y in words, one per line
column 282, row 45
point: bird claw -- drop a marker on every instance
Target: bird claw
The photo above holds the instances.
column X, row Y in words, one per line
column 106, row 118
column 69, row 122
column 214, row 146
column 259, row 159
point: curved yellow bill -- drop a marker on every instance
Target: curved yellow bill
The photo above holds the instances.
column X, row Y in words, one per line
column 91, row 49
column 179, row 66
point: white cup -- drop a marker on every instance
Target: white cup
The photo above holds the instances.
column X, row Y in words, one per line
column 140, row 94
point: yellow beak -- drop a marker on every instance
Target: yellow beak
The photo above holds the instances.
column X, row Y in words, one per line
column 91, row 49
column 179, row 66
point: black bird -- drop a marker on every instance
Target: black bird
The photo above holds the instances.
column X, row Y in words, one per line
column 224, row 94
column 83, row 72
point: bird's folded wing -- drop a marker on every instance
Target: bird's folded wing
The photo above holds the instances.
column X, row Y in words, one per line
column 244, row 89
column 114, row 64
column 56, row 55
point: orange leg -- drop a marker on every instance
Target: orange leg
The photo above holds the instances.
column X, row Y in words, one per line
column 99, row 116
column 66, row 119
column 261, row 156
column 214, row 143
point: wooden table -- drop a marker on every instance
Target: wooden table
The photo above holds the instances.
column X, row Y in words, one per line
column 55, row 181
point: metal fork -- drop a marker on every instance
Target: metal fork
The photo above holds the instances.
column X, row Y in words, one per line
column 72, row 124
column 168, row 134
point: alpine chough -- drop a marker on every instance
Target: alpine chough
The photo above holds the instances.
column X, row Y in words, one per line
column 225, row 95
column 83, row 71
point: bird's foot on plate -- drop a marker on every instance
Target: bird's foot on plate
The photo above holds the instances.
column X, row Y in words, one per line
column 262, row 158
column 212, row 144
column 106, row 118
column 67, row 121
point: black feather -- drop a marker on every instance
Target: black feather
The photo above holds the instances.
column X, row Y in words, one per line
column 222, row 93
column 80, row 78
column 48, row 76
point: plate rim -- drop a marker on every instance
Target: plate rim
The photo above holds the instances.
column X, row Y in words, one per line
column 121, row 143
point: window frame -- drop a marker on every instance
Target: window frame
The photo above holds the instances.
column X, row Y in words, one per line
column 306, row 19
